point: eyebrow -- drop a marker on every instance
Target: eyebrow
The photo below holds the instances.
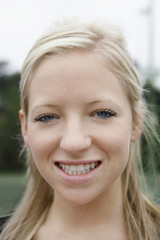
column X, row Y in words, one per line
column 48, row 105
column 95, row 101
column 45, row 105
column 105, row 101
column 90, row 102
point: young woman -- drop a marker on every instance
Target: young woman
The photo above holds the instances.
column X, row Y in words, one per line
column 82, row 116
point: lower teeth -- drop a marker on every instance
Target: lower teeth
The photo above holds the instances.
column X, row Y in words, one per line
column 76, row 172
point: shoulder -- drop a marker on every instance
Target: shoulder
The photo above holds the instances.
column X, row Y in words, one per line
column 3, row 220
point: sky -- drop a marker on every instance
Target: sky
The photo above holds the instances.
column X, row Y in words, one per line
column 23, row 21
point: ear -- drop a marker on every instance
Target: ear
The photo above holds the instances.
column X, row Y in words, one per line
column 137, row 126
column 23, row 122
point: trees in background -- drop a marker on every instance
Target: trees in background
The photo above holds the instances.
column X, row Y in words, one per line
column 9, row 121
column 152, row 98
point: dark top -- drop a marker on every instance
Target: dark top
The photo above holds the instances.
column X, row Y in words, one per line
column 2, row 222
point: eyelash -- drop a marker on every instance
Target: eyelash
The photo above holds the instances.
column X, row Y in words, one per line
column 45, row 118
column 101, row 114
column 104, row 114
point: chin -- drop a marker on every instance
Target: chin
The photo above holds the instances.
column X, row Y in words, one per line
column 77, row 198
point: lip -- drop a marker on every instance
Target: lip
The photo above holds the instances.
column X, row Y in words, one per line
column 77, row 179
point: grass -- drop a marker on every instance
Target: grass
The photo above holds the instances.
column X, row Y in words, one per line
column 11, row 189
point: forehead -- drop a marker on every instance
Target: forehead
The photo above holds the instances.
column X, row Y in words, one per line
column 73, row 75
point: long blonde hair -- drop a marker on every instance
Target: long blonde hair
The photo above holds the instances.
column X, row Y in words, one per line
column 107, row 42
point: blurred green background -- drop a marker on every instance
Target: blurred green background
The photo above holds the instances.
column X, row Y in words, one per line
column 12, row 166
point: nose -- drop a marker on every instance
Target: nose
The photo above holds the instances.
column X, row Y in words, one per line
column 74, row 138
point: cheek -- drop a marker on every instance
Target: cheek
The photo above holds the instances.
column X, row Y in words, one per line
column 41, row 143
column 116, row 147
column 115, row 142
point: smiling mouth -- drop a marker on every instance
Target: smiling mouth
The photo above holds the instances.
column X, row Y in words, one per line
column 80, row 169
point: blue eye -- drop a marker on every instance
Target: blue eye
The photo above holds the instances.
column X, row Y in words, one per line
column 104, row 114
column 46, row 118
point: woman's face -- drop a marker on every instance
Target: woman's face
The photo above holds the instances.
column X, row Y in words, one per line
column 79, row 127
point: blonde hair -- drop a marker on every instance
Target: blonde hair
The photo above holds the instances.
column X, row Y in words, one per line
column 106, row 42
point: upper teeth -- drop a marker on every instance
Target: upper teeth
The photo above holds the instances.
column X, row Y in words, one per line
column 78, row 169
